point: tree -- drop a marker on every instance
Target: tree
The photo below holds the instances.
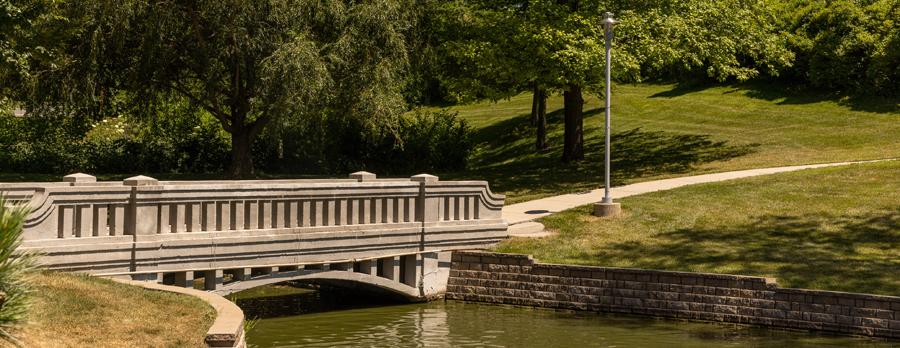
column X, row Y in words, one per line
column 496, row 49
column 247, row 63
column 539, row 118
column 505, row 47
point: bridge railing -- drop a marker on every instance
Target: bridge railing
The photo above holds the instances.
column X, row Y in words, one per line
column 142, row 225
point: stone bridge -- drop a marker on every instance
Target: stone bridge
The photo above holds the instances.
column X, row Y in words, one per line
column 389, row 234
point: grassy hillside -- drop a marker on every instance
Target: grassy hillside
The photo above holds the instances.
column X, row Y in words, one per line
column 80, row 311
column 668, row 130
column 836, row 228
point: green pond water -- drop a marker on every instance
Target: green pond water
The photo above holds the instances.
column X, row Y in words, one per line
column 292, row 317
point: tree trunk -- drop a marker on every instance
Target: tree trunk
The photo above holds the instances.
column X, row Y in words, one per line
column 541, row 122
column 241, row 156
column 535, row 101
column 573, row 146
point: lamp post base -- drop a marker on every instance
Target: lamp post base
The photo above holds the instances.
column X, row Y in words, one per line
column 607, row 209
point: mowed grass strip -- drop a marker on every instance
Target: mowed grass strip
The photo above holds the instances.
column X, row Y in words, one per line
column 836, row 229
column 81, row 311
column 670, row 130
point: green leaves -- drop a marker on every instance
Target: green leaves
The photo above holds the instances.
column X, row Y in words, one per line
column 558, row 43
column 14, row 289
column 847, row 45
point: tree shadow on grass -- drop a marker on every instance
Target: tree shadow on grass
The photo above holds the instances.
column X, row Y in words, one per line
column 682, row 88
column 505, row 156
column 858, row 253
column 783, row 94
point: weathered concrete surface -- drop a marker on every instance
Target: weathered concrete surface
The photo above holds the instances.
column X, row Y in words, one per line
column 228, row 328
column 532, row 210
column 144, row 226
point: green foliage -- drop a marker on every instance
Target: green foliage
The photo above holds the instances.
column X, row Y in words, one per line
column 845, row 45
column 187, row 142
column 39, row 144
column 497, row 49
column 246, row 63
column 14, row 288
column 421, row 141
column 730, row 39
column 436, row 141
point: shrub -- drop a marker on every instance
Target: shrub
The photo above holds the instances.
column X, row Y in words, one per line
column 436, row 141
column 14, row 290
column 421, row 142
column 846, row 45
column 114, row 145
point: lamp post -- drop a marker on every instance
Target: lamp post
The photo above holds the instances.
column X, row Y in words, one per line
column 606, row 207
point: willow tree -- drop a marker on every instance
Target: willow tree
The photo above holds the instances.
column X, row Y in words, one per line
column 248, row 63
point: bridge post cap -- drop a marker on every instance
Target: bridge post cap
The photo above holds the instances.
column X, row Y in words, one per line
column 79, row 178
column 140, row 180
column 362, row 176
column 424, row 178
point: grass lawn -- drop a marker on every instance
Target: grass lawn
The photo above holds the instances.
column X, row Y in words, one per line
column 80, row 311
column 836, row 228
column 669, row 130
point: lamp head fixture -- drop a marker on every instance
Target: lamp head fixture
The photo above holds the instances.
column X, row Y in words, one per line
column 608, row 20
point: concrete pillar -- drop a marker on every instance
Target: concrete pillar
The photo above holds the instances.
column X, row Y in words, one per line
column 184, row 279
column 436, row 272
column 79, row 179
column 389, row 268
column 411, row 269
column 428, row 209
column 143, row 216
column 369, row 267
column 239, row 274
column 212, row 279
column 362, row 176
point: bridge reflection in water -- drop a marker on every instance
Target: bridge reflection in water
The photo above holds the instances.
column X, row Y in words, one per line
column 336, row 318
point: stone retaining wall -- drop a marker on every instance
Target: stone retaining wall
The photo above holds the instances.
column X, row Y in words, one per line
column 227, row 331
column 518, row 280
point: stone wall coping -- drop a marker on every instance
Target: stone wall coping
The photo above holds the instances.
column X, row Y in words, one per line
column 228, row 328
column 854, row 295
column 617, row 269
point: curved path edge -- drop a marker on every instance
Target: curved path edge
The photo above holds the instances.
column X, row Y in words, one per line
column 532, row 210
column 228, row 328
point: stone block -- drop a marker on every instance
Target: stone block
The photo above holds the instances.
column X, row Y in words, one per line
column 79, row 178
column 424, row 178
column 140, row 180
column 362, row 176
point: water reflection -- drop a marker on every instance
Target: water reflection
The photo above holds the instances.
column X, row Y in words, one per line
column 326, row 319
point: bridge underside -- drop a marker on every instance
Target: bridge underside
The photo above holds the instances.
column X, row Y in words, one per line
column 414, row 277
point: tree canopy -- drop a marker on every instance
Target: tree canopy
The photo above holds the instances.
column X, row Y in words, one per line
column 247, row 63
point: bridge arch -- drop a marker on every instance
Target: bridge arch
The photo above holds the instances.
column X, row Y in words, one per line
column 338, row 278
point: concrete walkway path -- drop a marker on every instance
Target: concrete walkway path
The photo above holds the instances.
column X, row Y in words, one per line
column 527, row 211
